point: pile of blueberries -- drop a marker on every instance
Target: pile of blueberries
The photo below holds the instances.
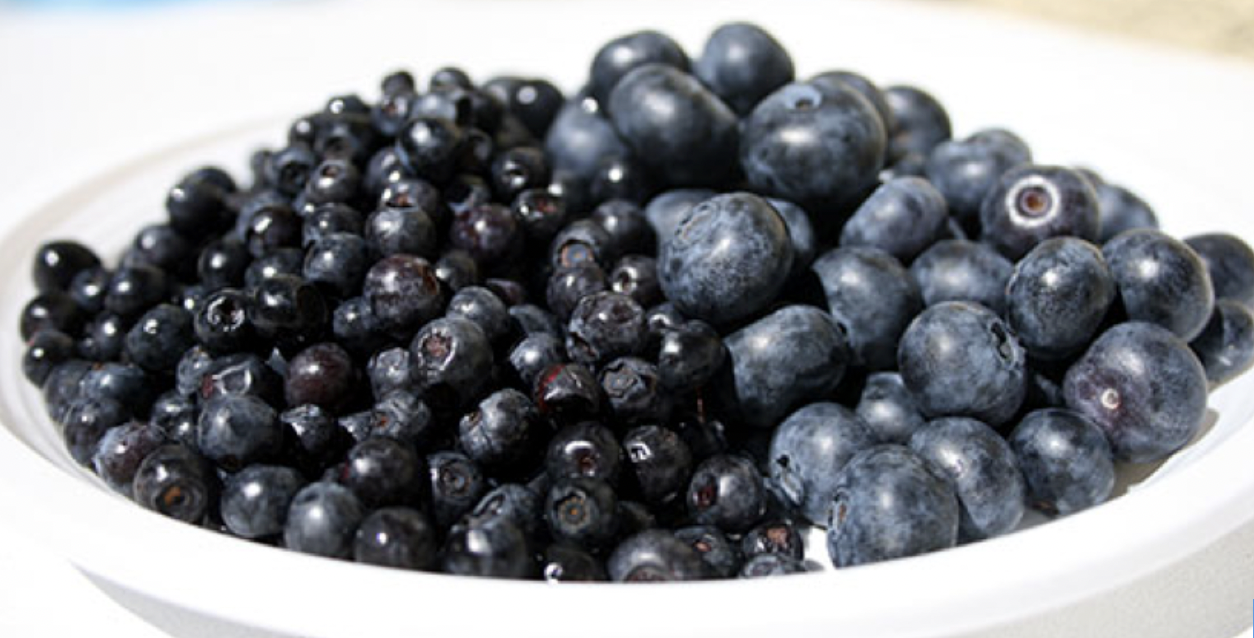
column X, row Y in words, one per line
column 650, row 331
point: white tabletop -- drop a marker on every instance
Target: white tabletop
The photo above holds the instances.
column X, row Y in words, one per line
column 83, row 90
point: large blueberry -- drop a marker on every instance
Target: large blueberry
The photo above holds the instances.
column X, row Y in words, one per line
column 1065, row 459
column 964, row 171
column 742, row 63
column 1161, row 280
column 727, row 260
column 919, row 121
column 888, row 408
column 1032, row 203
column 1226, row 345
column 794, row 354
column 960, row 359
column 1230, row 263
column 1143, row 387
column 872, row 297
column 1121, row 210
column 255, row 501
column 961, row 270
column 889, row 504
column 982, row 470
column 902, row 217
column 813, row 144
column 581, row 138
column 676, row 126
column 323, row 520
column 1058, row 295
column 667, row 209
column 808, row 451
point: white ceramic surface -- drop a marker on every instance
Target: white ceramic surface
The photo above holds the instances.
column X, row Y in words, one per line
column 1171, row 126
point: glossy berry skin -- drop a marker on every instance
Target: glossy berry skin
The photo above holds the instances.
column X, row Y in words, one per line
column 583, row 511
column 888, row 408
column 805, row 240
column 652, row 556
column 626, row 225
column 814, row 144
column 355, row 327
column 222, row 264
column 451, row 362
column 389, row 370
column 234, row 431
column 120, row 451
column 45, row 350
column 965, row 171
column 53, row 310
column 634, row 391
column 514, row 502
column 889, row 504
column 807, row 452
column 619, row 56
column 741, row 63
column 1032, row 203
column 283, row 261
column 581, row 138
column 125, row 383
column 1058, row 296
column 533, row 355
column 196, row 205
column 484, row 308
column 88, row 288
column 383, row 471
column 1226, row 345
column 1066, row 461
column 961, row 270
column 667, row 209
column 1161, row 280
column 864, row 87
column 255, row 500
column 981, row 469
column 57, row 263
column 903, row 217
column 239, row 375
column 727, row 492
column 337, row 263
column 323, row 520
column 1230, row 263
column 676, row 126
column 792, row 355
column 322, row 374
column 329, row 219
column 780, row 538
column 566, row 563
column 721, row 556
column 401, row 415
column 159, row 338
column 1122, row 210
column 104, row 338
column 636, row 277
column 61, row 388
column 177, row 482
column 582, row 242
column 920, row 122
column 135, row 289
column 689, row 356
column 586, row 449
column 456, row 269
column 727, row 260
column 533, row 101
column 392, row 231
column 567, row 392
column 222, row 323
column 604, row 325
column 427, row 147
column 456, row 484
column 1143, row 387
column 403, row 292
column 489, row 232
column 399, row 537
column 872, row 297
column 960, row 359
column 567, row 286
column 660, row 462
column 289, row 310
column 493, row 548
column 504, row 433
column 314, row 431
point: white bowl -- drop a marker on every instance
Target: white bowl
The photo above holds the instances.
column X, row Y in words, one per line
column 1201, row 494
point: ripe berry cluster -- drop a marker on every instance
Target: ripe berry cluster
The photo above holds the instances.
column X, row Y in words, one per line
column 650, row 331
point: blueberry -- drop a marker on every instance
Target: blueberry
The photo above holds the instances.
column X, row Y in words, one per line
column 57, row 263
column 489, row 232
column 177, row 482
column 960, row 359
column 197, row 204
column 533, row 101
column 290, row 167
column 780, row 538
column 403, row 416
column 667, row 209
column 660, row 461
column 1161, row 280
column 289, row 310
column 1032, row 203
column 1230, row 263
column 604, row 325
column 741, row 63
column 903, row 217
column 400, row 537
column 514, row 502
column 323, row 520
column 920, row 122
column 337, row 263
column 121, row 450
column 269, row 227
column 503, row 433
column 451, row 362
column 222, row 323
column 689, row 356
column 158, row 340
column 889, row 504
column 355, row 327
column 334, row 181
column 626, row 227
column 239, row 375
column 428, row 147
column 567, row 286
column 234, row 431
column 533, row 354
column 867, row 89
column 394, row 231
column 581, row 138
column 888, row 408
column 818, row 145
column 484, row 308
column 808, row 451
column 456, row 269
column 127, row 384
column 104, row 338
column 383, row 471
column 314, row 431
column 792, row 355
column 981, row 469
column 322, row 374
column 1058, row 296
column 872, row 297
column 161, row 246
column 766, row 565
column 1226, row 345
column 583, row 511
column 456, row 484
column 722, row 557
column 566, row 563
column 403, row 292
column 45, row 350
column 636, row 277
column 965, row 171
column 282, row 261
column 727, row 260
column 961, row 270
column 1121, row 210
column 802, row 233
column 540, row 213
column 568, row 392
column 89, row 287
column 255, row 501
column 53, row 310
column 176, row 414
column 222, row 264
column 726, row 491
column 586, row 449
column 654, row 555
column 61, row 388
column 493, row 548
column 189, row 373
column 1066, row 461
column 1143, row 387
column 619, row 56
